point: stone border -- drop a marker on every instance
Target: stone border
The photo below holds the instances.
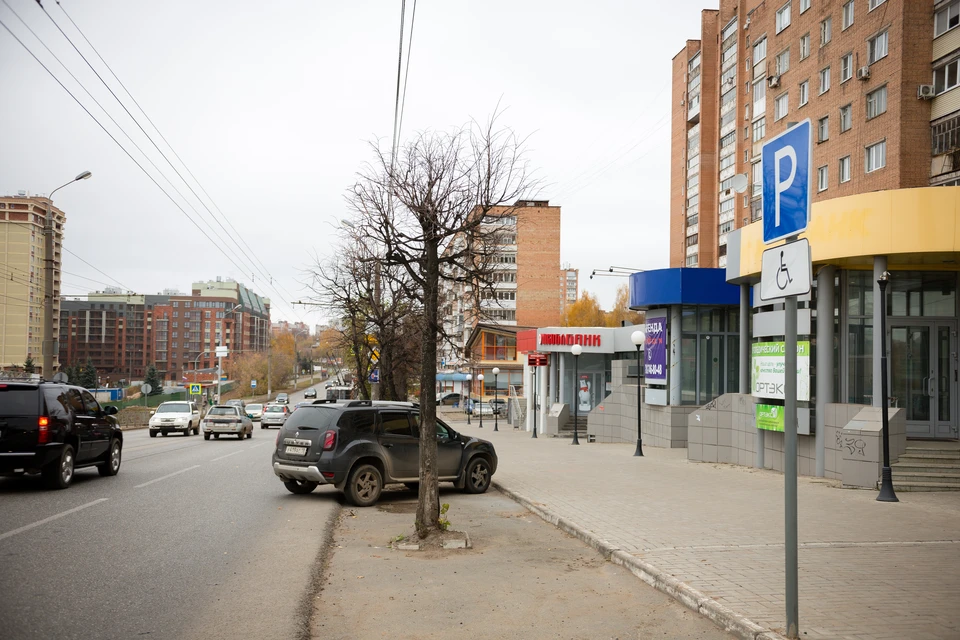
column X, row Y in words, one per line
column 722, row 616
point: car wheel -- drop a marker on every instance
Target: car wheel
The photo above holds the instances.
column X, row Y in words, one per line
column 262, row 427
column 364, row 486
column 206, row 436
column 300, row 487
column 112, row 465
column 189, row 429
column 153, row 434
column 216, row 436
column 241, row 435
column 164, row 433
column 59, row 473
column 250, row 434
column 196, row 430
column 478, row 476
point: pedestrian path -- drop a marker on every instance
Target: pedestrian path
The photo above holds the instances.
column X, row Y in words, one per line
column 867, row 569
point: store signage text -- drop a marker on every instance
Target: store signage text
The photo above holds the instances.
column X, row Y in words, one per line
column 569, row 339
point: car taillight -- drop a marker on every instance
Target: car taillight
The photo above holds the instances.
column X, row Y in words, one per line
column 329, row 440
column 44, row 432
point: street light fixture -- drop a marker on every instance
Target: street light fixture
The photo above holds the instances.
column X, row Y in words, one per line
column 887, row 494
column 48, row 260
column 480, row 404
column 469, row 396
column 576, row 350
column 496, row 407
column 637, row 338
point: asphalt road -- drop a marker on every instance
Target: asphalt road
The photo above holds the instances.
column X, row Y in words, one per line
column 192, row 539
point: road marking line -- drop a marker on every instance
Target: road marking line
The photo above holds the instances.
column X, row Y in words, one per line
column 50, row 519
column 228, row 455
column 169, row 475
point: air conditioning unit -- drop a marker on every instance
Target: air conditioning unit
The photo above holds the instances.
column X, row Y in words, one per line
column 926, row 92
column 773, row 81
column 863, row 73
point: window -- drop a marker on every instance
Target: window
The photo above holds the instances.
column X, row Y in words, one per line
column 395, row 423
column 823, row 129
column 804, row 46
column 728, row 139
column 877, row 48
column 846, row 68
column 876, row 156
column 804, row 5
column 759, row 129
column 946, row 18
column 945, row 78
column 783, row 17
column 845, row 169
column 873, row 4
column 804, row 92
column 780, row 106
column 847, row 15
column 846, row 118
column 876, row 102
column 692, row 240
column 783, row 62
column 759, row 51
column 759, row 89
column 822, row 178
column 824, row 80
column 826, row 31
column 757, row 178
column 726, row 227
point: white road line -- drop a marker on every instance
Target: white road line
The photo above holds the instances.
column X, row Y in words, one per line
column 227, row 456
column 50, row 519
column 169, row 475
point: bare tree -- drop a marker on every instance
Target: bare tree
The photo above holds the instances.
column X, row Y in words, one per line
column 427, row 211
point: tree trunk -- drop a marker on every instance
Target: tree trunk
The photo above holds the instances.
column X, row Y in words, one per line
column 428, row 506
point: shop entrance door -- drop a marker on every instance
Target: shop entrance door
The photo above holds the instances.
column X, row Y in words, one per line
column 923, row 375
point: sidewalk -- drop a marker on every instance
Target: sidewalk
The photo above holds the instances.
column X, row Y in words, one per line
column 867, row 569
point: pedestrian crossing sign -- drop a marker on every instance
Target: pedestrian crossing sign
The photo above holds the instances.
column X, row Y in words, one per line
column 195, row 389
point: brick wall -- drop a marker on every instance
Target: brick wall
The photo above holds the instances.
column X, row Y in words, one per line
column 538, row 266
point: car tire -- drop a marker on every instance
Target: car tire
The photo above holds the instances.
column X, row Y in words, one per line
column 477, row 476
column 114, row 457
column 300, row 487
column 250, row 435
column 364, row 486
column 206, row 436
column 59, row 473
column 153, row 434
column 241, row 435
column 216, row 436
column 196, row 430
column 189, row 430
column 164, row 433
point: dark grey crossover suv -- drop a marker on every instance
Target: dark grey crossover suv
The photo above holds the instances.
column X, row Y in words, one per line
column 358, row 446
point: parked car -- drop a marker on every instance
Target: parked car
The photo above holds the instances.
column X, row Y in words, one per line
column 274, row 415
column 310, row 393
column 175, row 416
column 54, row 429
column 499, row 406
column 236, row 402
column 450, row 398
column 359, row 446
column 482, row 409
column 254, row 411
column 227, row 419
column 283, row 398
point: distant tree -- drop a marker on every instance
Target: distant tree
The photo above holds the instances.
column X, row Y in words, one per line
column 153, row 379
column 621, row 309
column 87, row 376
column 585, row 312
column 29, row 366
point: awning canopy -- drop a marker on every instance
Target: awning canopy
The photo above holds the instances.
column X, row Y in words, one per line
column 455, row 377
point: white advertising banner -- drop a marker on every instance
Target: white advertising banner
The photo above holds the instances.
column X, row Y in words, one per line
column 767, row 370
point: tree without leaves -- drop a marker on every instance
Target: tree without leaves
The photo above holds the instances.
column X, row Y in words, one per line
column 425, row 213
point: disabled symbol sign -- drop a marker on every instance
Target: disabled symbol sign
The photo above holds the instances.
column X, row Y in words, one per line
column 786, row 271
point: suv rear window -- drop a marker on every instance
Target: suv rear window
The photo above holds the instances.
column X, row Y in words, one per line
column 313, row 416
column 19, row 401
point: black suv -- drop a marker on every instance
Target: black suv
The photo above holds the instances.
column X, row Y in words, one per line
column 54, row 429
column 358, row 446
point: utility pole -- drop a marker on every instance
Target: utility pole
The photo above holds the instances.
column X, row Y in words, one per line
column 269, row 387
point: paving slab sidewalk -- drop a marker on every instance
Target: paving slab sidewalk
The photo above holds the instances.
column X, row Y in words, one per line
column 867, row 569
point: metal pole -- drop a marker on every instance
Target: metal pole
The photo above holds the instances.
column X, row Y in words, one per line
column 576, row 398
column 48, row 261
column 887, row 494
column 496, row 407
column 269, row 386
column 790, row 465
column 745, row 339
column 825, row 337
column 535, row 402
column 219, row 378
column 639, row 451
column 480, row 396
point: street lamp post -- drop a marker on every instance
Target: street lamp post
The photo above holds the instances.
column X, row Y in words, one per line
column 534, row 392
column 48, row 263
column 496, row 407
column 637, row 338
column 480, row 404
column 576, row 350
column 887, row 494
column 469, row 395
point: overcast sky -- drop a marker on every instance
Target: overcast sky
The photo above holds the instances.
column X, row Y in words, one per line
column 272, row 105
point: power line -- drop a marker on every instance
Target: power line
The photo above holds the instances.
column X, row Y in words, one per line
column 396, row 103
column 406, row 72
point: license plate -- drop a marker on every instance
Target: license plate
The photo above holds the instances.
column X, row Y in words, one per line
column 297, row 451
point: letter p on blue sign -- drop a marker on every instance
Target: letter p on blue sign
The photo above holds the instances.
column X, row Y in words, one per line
column 787, row 187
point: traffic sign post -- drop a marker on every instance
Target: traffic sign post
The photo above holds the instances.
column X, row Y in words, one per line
column 195, row 389
column 787, row 162
column 253, row 384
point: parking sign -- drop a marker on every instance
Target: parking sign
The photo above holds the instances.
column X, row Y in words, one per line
column 787, row 187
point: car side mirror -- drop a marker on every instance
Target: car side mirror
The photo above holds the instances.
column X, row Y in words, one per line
column 152, row 412
column 111, row 411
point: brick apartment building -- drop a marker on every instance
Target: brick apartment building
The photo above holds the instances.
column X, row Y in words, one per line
column 876, row 78
column 21, row 278
column 528, row 288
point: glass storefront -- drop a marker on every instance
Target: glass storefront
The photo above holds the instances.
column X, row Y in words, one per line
column 709, row 353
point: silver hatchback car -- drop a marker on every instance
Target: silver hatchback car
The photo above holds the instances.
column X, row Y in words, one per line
column 274, row 415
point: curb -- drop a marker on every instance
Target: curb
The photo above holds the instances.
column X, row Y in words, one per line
column 720, row 615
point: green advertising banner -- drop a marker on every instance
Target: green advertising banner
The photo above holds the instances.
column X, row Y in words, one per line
column 768, row 370
column 769, row 417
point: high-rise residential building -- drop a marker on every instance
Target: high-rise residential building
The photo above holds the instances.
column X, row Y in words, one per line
column 569, row 287
column 21, row 278
column 874, row 77
column 526, row 288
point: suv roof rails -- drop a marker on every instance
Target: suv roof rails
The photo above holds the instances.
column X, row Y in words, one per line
column 20, row 376
column 360, row 403
column 323, row 401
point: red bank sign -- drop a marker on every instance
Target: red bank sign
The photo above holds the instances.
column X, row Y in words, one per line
column 570, row 339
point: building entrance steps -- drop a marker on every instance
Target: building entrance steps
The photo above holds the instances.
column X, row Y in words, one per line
column 712, row 535
column 928, row 466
